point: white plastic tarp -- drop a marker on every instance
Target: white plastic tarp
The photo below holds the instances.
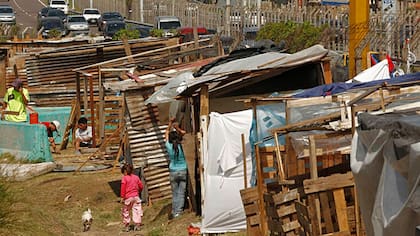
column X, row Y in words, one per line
column 387, row 176
column 224, row 174
column 379, row 71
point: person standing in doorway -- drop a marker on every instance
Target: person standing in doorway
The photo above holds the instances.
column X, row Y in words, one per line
column 177, row 166
column 83, row 135
column 15, row 100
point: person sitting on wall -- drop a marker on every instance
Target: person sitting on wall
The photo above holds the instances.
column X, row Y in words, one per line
column 51, row 127
column 15, row 101
column 83, row 135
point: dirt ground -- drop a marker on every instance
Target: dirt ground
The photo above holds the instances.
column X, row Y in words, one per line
column 52, row 204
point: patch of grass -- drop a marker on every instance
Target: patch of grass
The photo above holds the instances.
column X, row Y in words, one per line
column 11, row 159
column 7, row 218
column 156, row 232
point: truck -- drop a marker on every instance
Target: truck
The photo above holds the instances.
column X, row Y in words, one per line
column 168, row 24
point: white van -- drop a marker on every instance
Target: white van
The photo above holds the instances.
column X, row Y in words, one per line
column 60, row 4
column 167, row 24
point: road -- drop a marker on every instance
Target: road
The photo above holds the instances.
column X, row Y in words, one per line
column 26, row 12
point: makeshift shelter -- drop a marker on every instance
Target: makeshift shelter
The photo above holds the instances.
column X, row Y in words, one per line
column 239, row 75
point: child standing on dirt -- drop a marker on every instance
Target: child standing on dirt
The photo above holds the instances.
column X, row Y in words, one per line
column 131, row 186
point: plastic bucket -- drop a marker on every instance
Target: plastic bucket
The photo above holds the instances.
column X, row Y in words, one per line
column 33, row 118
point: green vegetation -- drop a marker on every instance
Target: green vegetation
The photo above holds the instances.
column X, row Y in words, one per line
column 157, row 32
column 126, row 34
column 6, row 206
column 295, row 36
column 54, row 34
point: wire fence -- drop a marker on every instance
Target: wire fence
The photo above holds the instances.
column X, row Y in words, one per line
column 386, row 32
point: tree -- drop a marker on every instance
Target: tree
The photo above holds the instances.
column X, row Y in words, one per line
column 296, row 36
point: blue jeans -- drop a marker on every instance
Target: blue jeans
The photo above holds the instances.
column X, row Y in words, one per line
column 178, row 183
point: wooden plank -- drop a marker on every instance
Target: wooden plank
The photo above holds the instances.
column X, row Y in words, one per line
column 335, row 181
column 326, row 211
column 313, row 216
column 303, row 217
column 251, row 209
column 313, row 158
column 290, row 226
column 341, row 209
column 282, row 198
column 286, row 210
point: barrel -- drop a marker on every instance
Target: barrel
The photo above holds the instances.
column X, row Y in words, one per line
column 33, row 118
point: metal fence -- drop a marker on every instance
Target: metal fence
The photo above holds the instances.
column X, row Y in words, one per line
column 386, row 32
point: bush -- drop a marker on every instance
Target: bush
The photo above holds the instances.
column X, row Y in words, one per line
column 296, row 36
column 157, row 32
column 126, row 34
column 54, row 34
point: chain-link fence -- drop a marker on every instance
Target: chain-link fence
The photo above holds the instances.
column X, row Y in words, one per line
column 235, row 20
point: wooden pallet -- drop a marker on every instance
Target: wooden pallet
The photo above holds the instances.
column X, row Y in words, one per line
column 281, row 212
column 331, row 207
column 250, row 201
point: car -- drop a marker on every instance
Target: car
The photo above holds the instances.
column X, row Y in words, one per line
column 91, row 15
column 7, row 15
column 112, row 27
column 108, row 16
column 47, row 24
column 60, row 4
column 43, row 12
column 57, row 13
column 77, row 24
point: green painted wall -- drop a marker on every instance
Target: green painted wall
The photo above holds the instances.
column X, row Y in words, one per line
column 25, row 141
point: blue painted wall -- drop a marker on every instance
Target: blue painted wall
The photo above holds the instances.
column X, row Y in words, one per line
column 25, row 141
column 49, row 114
column 30, row 141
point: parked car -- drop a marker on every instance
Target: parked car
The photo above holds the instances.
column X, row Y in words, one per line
column 60, row 4
column 108, row 16
column 7, row 15
column 47, row 24
column 77, row 24
column 91, row 15
column 186, row 34
column 57, row 13
column 112, row 27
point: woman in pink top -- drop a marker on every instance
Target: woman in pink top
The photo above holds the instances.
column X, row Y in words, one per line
column 131, row 186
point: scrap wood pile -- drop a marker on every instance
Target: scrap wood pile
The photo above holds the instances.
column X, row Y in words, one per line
column 289, row 197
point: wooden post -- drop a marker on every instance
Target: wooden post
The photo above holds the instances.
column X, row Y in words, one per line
column 92, row 111
column 204, row 100
column 327, row 72
column 85, row 97
column 101, row 119
column 127, row 50
column 260, row 187
column 279, row 160
column 313, row 165
column 244, row 160
column 203, row 155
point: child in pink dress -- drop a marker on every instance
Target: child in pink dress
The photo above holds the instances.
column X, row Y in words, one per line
column 131, row 186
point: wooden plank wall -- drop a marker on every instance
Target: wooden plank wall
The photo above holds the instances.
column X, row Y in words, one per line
column 146, row 139
column 50, row 75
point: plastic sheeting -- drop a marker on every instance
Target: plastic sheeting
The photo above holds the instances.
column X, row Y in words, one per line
column 379, row 71
column 385, row 161
column 223, row 169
